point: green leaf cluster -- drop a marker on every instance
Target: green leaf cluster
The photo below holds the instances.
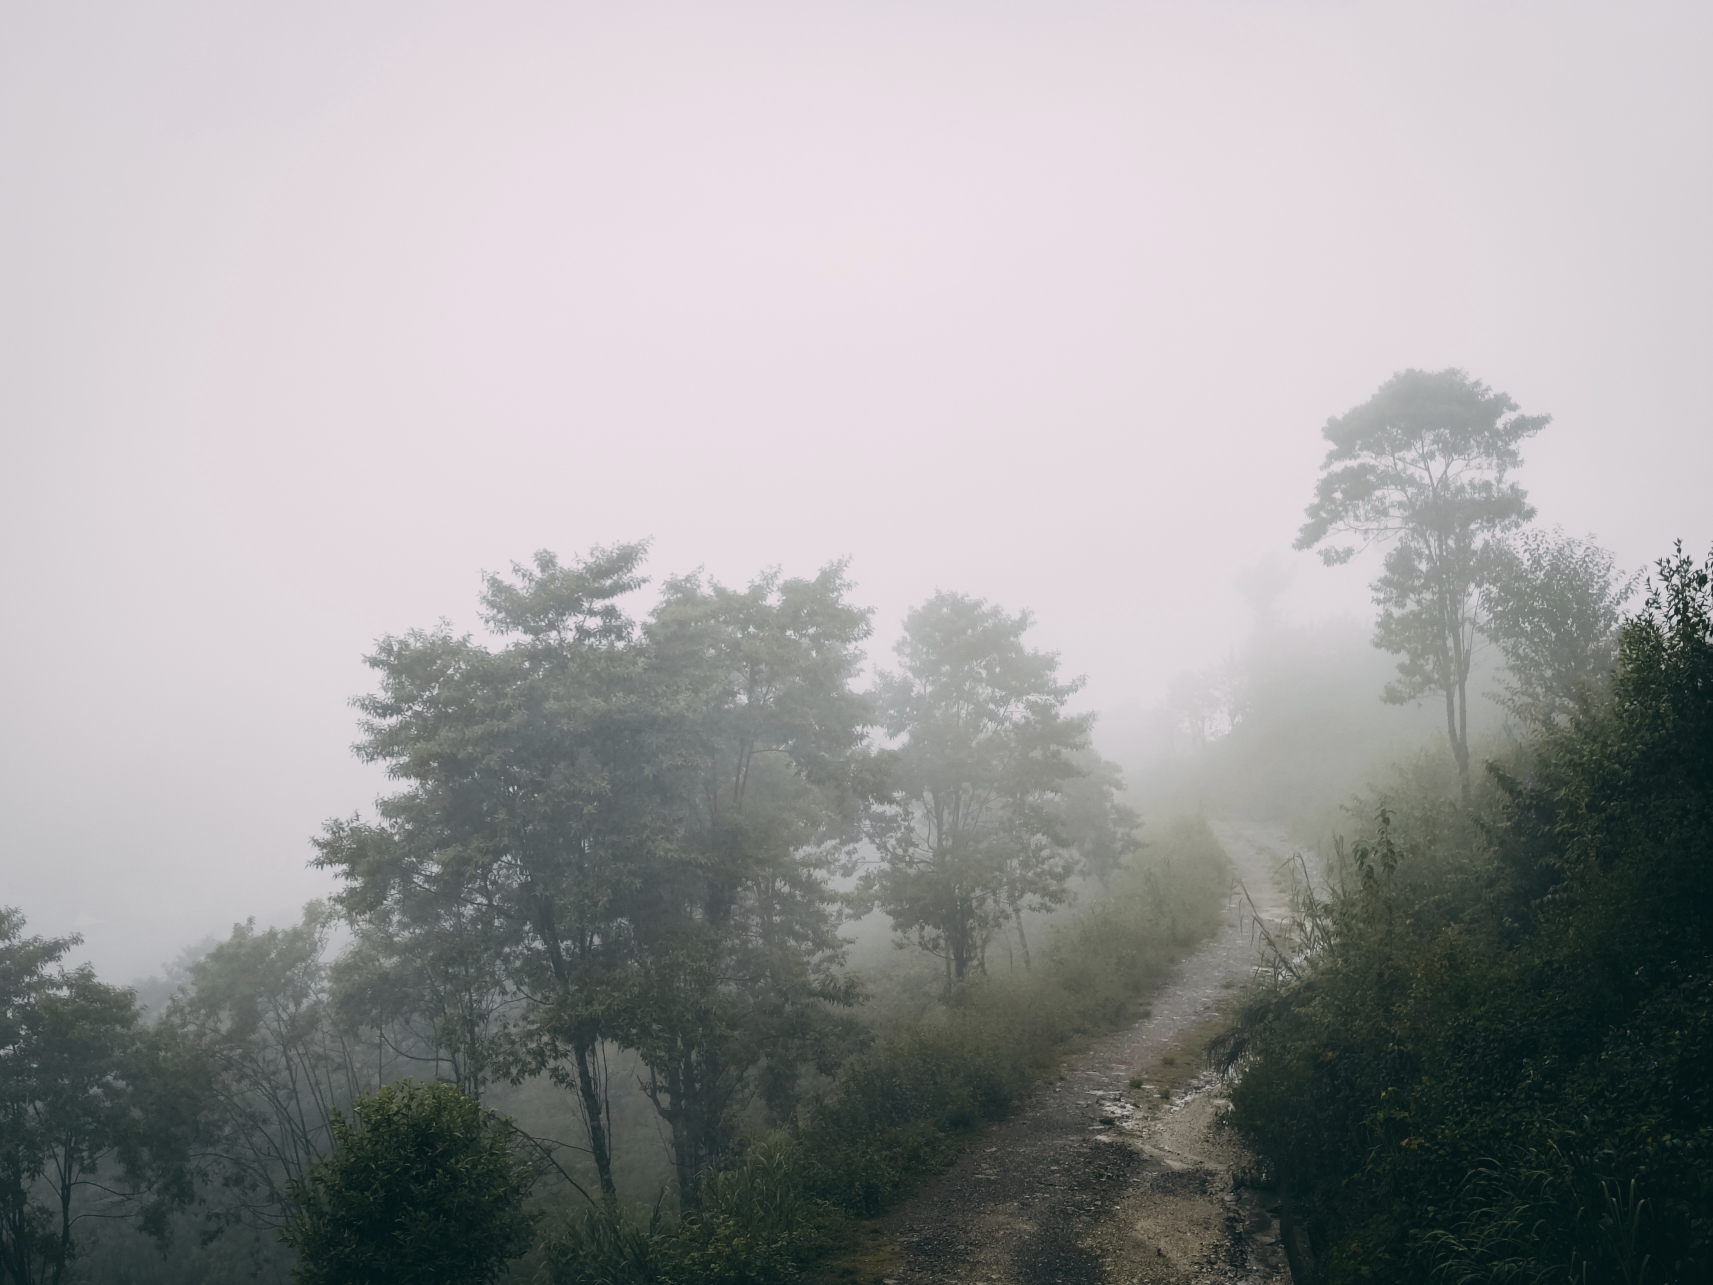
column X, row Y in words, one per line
column 1489, row 1050
column 99, row 1115
column 422, row 1188
column 1423, row 466
column 622, row 831
column 976, row 828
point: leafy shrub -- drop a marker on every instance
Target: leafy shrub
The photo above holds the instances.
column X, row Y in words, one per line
column 424, row 1188
column 1492, row 1057
column 599, row 1245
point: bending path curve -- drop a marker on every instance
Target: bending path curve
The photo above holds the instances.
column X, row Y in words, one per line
column 1094, row 1182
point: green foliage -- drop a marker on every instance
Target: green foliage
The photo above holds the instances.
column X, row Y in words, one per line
column 599, row 1245
column 904, row 1108
column 753, row 1225
column 1423, row 465
column 618, row 831
column 97, row 1113
column 978, row 831
column 1553, row 606
column 258, row 1009
column 494, row 874
column 730, row 987
column 1490, row 1053
column 424, row 1188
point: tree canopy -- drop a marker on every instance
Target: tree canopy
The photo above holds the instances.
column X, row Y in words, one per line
column 978, row 831
column 1553, row 605
column 98, row 1115
column 621, row 831
column 1423, row 466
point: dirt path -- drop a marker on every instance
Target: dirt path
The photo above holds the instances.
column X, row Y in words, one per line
column 1095, row 1181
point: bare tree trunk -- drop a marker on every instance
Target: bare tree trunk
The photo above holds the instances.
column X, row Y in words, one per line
column 1463, row 736
column 64, row 1226
column 958, row 944
column 1459, row 749
column 684, row 1163
column 594, row 1115
column 1457, row 708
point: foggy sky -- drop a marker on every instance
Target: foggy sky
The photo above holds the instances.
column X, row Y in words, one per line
column 309, row 313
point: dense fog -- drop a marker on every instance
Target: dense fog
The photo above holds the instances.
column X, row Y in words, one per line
column 312, row 316
column 670, row 430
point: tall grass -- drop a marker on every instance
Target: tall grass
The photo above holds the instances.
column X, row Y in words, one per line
column 905, row 1107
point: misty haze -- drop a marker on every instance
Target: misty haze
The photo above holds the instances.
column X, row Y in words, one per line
column 856, row 643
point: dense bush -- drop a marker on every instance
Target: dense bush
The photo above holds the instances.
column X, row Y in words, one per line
column 904, row 1108
column 422, row 1188
column 1492, row 1055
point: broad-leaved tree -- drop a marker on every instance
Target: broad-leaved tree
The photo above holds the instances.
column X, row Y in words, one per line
column 1424, row 466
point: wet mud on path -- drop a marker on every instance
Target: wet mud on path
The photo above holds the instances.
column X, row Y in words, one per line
column 1094, row 1181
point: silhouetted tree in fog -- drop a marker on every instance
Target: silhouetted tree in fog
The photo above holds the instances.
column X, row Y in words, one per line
column 625, row 830
column 730, row 979
column 1554, row 605
column 504, row 860
column 978, row 831
column 1423, row 465
column 98, row 1113
column 1102, row 830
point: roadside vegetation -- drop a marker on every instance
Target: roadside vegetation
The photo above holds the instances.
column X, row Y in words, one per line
column 618, row 868
column 600, row 999
column 1485, row 1051
column 905, row 1107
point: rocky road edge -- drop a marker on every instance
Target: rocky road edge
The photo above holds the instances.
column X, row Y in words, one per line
column 1190, row 1211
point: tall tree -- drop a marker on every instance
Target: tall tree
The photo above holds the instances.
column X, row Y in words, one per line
column 92, row 1109
column 259, row 1010
column 635, row 826
column 1554, row 604
column 1423, row 465
column 515, row 825
column 977, row 833
column 731, row 983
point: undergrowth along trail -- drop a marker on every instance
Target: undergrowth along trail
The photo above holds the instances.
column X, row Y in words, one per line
column 1118, row 1170
column 928, row 1088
